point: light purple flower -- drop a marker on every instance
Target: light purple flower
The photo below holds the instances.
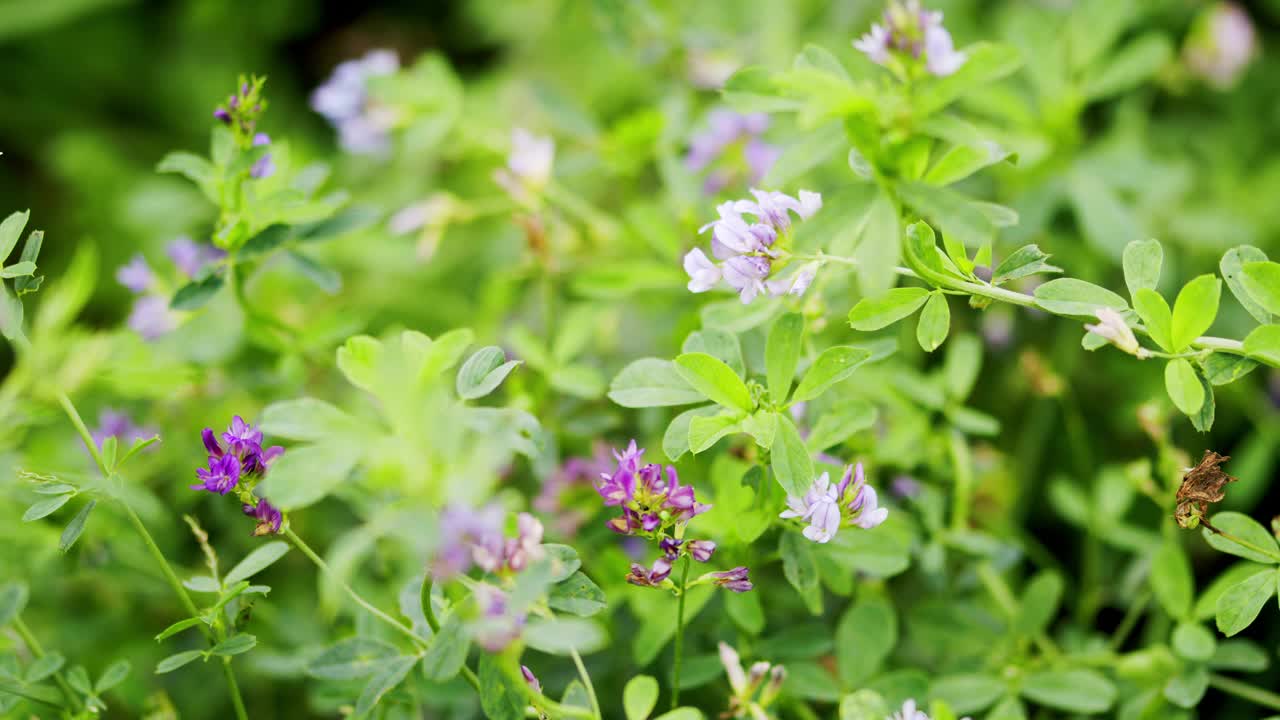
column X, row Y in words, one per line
column 498, row 626
column 703, row 274
column 136, row 275
column 746, row 274
column 116, row 424
column 192, row 257
column 555, row 500
column 727, row 129
column 905, row 486
column 264, row 166
column 530, row 678
column 912, row 32
column 531, row 157
column 468, row 536
column 795, row 284
column 527, row 545
column 344, row 101
column 701, row 550
column 1222, row 44
column 150, row 317
column 825, row 507
column 736, row 580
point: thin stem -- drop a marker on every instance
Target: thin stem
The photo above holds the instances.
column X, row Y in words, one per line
column 1244, row 690
column 684, row 587
column 236, row 700
column 430, row 613
column 963, row 468
column 29, row 638
column 357, row 597
column 1129, row 621
column 586, row 681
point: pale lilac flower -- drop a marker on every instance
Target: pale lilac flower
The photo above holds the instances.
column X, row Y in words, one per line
column 264, row 166
column 912, row 32
column 746, row 274
column 344, row 101
column 529, row 165
column 866, row 504
column 909, row 712
column 468, row 536
column 192, row 257
column 498, row 626
column 1222, row 44
column 905, row 486
column 727, row 129
column 136, row 275
column 941, row 57
column 1116, row 331
column 732, row 663
column 825, row 506
column 703, row 274
column 796, row 283
column 150, row 317
column 875, row 44
column 555, row 500
column 527, row 545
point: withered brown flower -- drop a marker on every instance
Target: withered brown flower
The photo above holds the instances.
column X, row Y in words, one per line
column 1203, row 484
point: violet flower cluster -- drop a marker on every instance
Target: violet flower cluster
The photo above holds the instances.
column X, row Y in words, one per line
column 825, row 507
column 242, row 109
column 239, row 468
column 150, row 316
column 657, row 507
column 117, row 424
column 726, row 131
column 556, row 500
column 475, row 538
column 363, row 126
column 751, row 250
column 911, row 34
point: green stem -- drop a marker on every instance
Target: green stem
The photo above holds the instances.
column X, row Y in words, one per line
column 430, row 614
column 675, row 680
column 1244, row 690
column 156, row 554
column 963, row 468
column 357, row 597
column 29, row 638
column 1000, row 592
column 1129, row 621
column 586, row 681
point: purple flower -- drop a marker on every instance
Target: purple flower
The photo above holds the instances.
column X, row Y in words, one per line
column 116, row 424
column 701, row 550
column 775, row 208
column 905, row 486
column 241, row 437
column 576, row 474
column 222, row 116
column 650, row 578
column 825, row 507
column 191, row 257
column 222, row 475
column 527, row 545
column 1221, row 45
column 725, row 130
column 530, row 679
column 136, row 275
column 736, row 579
column 703, row 274
column 670, row 547
column 268, row 516
column 746, row 274
column 150, row 317
column 468, row 536
column 498, row 627
column 264, row 166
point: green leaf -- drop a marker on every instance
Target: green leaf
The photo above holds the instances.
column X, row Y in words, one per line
column 72, row 531
column 1069, row 296
column 1026, row 260
column 1195, row 310
column 389, row 675
column 43, row 667
column 1038, row 604
column 1132, row 65
column 1156, row 315
column 270, row 238
column 967, row 693
column 718, row 343
column 838, row 424
column 193, row 167
column 652, row 382
column 352, row 658
column 864, row 705
column 1232, row 267
column 1239, row 525
column 715, row 380
column 1108, row 222
column 898, row 303
column 675, row 441
column 706, row 431
column 935, row 322
column 834, row 365
column 962, row 364
column 256, row 562
column 18, row 269
column 483, row 372
column 782, row 354
column 11, row 231
column 1264, row 344
column 448, row 650
column 1186, row 688
column 1192, row 641
column 563, row 635
column 196, row 293
column 879, row 247
column 683, row 713
column 306, row 474
column 47, row 507
column 950, row 211
column 866, row 634
column 577, row 595
column 762, row 425
column 178, row 627
column 963, row 160
column 801, row 568
column 1262, row 281
column 1073, row 691
column 13, row 598
column 347, row 220
column 235, row 645
column 1142, row 261
column 1239, row 606
column 309, row 420
column 112, row 676
column 792, row 464
column 1171, row 579
column 324, row 277
column 177, row 660
column 1183, row 386
column 745, row 610
column 639, row 697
